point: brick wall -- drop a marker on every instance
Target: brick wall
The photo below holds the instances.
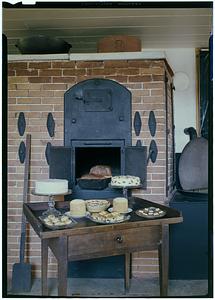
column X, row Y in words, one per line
column 37, row 88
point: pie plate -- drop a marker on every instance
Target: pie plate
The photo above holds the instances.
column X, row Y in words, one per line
column 127, row 212
column 57, row 227
column 97, row 205
column 68, row 214
column 125, row 218
column 140, row 213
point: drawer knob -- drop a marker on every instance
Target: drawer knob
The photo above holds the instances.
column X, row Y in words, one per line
column 119, row 239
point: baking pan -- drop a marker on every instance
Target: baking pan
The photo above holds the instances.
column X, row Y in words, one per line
column 93, row 184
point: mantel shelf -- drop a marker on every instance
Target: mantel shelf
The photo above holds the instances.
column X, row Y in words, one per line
column 147, row 54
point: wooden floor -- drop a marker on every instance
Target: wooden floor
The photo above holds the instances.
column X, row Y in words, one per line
column 115, row 288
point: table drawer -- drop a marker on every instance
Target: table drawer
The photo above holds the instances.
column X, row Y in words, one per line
column 113, row 242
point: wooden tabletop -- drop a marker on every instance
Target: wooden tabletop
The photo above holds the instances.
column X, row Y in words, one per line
column 84, row 225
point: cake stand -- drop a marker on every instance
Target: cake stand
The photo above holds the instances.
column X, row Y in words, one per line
column 126, row 188
column 51, row 202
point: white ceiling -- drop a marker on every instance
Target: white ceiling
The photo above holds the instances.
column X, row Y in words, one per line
column 84, row 27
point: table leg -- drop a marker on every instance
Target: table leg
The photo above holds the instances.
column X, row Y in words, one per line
column 164, row 260
column 130, row 275
column 44, row 266
column 127, row 270
column 62, row 266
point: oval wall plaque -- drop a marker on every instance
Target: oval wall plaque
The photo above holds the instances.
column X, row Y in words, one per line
column 47, row 152
column 21, row 123
column 152, row 123
column 50, row 124
column 153, row 151
column 137, row 123
column 138, row 143
column 22, row 152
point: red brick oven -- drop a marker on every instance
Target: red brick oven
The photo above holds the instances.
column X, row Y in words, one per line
column 37, row 88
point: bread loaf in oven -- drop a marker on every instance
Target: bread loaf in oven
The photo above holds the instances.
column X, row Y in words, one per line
column 101, row 170
column 92, row 176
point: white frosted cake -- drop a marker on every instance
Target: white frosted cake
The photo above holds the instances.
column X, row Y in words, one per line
column 125, row 180
column 120, row 205
column 77, row 208
column 51, row 186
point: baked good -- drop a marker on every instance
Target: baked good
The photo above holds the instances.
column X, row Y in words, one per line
column 77, row 208
column 120, row 205
column 53, row 221
column 150, row 212
column 51, row 186
column 97, row 205
column 92, row 176
column 106, row 217
column 125, row 180
column 101, row 170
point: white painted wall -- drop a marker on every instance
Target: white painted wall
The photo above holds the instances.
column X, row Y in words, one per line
column 183, row 60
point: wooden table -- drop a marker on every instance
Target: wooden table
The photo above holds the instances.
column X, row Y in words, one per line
column 88, row 240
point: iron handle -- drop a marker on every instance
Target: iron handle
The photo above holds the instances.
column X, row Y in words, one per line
column 73, row 121
column 98, row 144
column 119, row 239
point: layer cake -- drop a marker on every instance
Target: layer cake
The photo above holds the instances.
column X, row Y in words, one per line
column 51, row 186
column 78, row 208
column 120, row 205
column 125, row 180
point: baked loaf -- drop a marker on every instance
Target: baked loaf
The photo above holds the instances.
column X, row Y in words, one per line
column 51, row 186
column 92, row 176
column 120, row 205
column 125, row 180
column 78, row 208
column 101, row 170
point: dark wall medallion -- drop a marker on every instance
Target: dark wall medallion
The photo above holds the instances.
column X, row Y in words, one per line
column 47, row 152
column 137, row 123
column 153, row 152
column 138, row 143
column 152, row 123
column 50, row 124
column 22, row 152
column 21, row 123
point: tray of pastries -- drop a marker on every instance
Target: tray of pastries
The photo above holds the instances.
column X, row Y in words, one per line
column 150, row 212
column 57, row 222
column 105, row 217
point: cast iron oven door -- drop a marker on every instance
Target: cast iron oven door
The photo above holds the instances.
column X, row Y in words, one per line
column 97, row 131
column 97, row 109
